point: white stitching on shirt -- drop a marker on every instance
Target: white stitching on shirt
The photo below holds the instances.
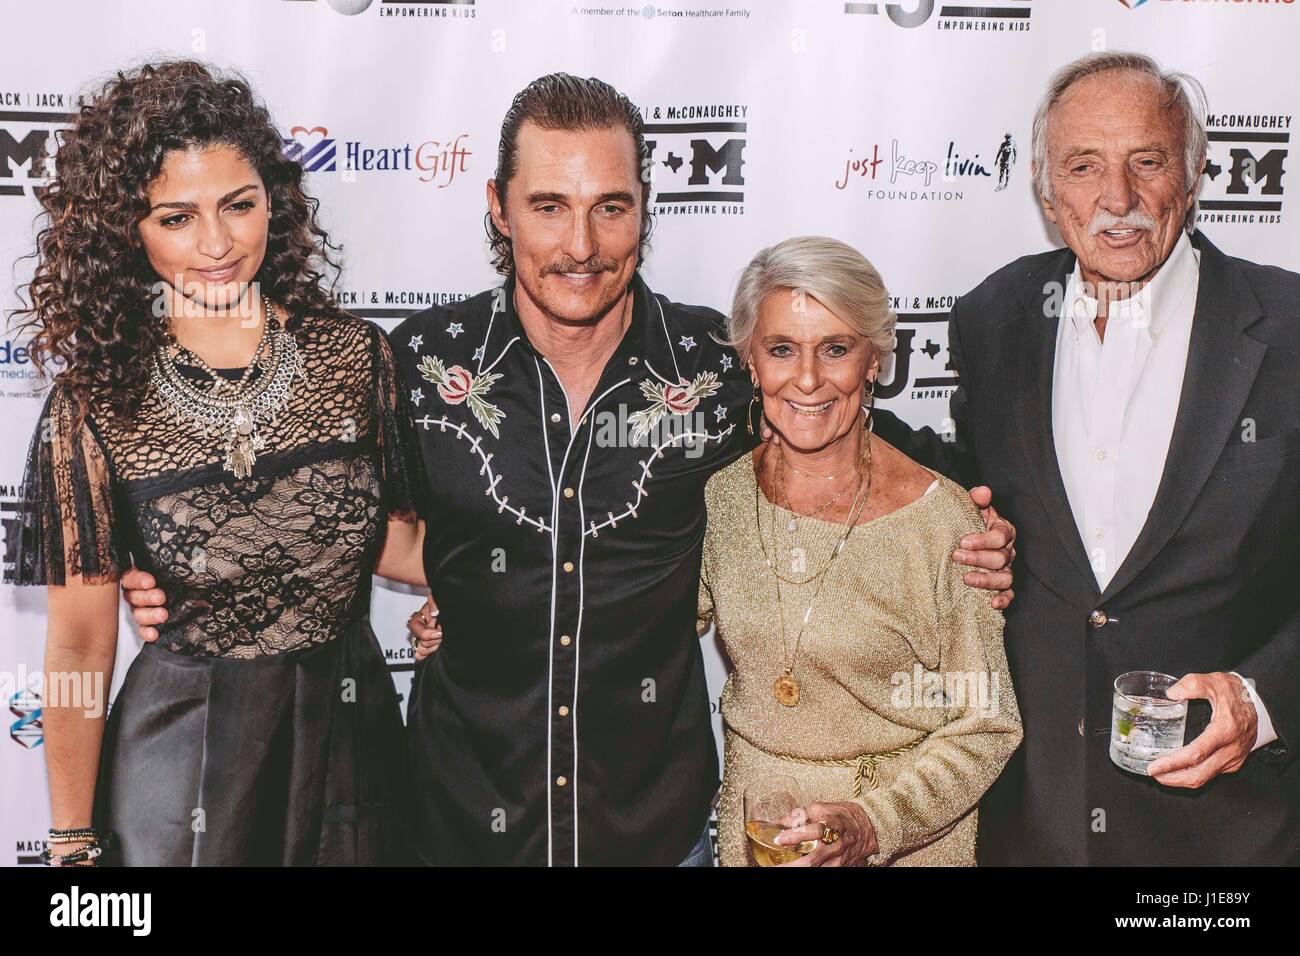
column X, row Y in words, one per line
column 577, row 633
column 655, row 372
column 639, row 483
column 494, row 479
column 555, row 520
column 546, row 440
column 497, row 361
column 667, row 337
column 550, row 643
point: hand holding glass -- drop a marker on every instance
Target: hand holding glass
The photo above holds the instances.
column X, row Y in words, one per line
column 1145, row 723
column 773, row 804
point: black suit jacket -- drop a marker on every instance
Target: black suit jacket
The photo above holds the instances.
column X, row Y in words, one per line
column 1209, row 585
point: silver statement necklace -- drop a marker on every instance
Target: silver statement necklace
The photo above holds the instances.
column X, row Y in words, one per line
column 234, row 411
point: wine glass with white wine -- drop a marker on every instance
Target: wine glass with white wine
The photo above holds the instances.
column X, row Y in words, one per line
column 773, row 804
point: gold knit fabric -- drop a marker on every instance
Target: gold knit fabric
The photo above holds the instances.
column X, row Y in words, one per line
column 899, row 654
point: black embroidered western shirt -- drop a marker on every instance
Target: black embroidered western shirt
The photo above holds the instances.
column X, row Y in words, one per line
column 565, row 719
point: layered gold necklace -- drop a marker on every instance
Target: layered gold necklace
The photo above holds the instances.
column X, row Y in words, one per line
column 786, row 688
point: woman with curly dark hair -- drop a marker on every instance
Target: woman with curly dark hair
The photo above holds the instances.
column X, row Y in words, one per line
column 221, row 424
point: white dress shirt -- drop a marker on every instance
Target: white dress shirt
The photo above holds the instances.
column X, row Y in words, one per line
column 1114, row 402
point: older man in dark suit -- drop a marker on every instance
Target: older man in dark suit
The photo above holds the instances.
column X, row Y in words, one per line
column 1132, row 402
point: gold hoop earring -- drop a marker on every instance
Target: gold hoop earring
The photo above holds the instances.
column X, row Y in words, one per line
column 756, row 399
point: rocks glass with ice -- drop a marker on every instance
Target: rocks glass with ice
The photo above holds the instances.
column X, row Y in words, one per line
column 1145, row 723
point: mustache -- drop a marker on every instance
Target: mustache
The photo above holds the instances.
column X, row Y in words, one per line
column 589, row 267
column 1105, row 219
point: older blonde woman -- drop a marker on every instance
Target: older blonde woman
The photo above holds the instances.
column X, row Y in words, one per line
column 863, row 666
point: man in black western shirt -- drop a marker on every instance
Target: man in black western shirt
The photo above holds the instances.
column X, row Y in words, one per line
column 566, row 719
column 568, row 422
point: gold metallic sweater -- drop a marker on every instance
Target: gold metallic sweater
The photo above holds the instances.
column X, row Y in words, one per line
column 899, row 655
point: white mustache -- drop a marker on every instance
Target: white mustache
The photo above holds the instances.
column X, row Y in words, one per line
column 1137, row 219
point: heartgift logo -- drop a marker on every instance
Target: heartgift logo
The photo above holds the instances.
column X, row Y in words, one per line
column 313, row 148
column 1132, row 4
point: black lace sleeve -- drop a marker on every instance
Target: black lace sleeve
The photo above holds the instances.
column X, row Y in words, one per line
column 64, row 526
column 401, row 468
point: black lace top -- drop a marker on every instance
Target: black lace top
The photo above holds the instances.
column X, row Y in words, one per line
column 261, row 565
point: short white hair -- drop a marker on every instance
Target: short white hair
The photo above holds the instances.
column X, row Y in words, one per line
column 830, row 271
column 1183, row 92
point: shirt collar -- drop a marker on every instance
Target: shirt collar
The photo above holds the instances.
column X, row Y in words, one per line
column 644, row 350
column 1154, row 305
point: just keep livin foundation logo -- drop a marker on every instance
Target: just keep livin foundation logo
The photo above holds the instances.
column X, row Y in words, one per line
column 893, row 170
column 1000, row 16
column 404, row 9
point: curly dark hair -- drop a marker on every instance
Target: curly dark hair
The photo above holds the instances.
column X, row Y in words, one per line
column 565, row 102
column 89, row 304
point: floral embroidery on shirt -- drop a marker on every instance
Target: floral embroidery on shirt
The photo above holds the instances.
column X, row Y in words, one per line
column 457, row 384
column 678, row 399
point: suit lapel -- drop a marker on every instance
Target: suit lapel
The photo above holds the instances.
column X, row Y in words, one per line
column 1029, row 344
column 1222, row 362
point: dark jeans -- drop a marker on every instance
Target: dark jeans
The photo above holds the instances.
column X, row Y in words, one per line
column 702, row 853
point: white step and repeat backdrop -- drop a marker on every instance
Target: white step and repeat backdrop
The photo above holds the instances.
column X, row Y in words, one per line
column 902, row 128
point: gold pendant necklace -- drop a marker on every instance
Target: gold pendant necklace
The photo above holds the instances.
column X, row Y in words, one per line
column 786, row 688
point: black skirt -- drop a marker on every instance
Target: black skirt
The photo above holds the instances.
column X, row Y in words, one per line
column 286, row 760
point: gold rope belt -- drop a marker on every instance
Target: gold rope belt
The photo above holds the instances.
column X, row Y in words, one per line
column 865, row 764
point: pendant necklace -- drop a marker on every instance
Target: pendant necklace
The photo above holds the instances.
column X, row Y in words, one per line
column 792, row 524
column 234, row 411
column 786, row 688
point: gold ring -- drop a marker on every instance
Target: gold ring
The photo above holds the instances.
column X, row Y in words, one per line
column 829, row 833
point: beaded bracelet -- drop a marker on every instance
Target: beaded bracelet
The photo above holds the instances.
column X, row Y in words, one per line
column 74, row 832
column 87, row 854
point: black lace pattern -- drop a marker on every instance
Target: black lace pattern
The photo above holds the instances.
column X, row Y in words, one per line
column 255, row 566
